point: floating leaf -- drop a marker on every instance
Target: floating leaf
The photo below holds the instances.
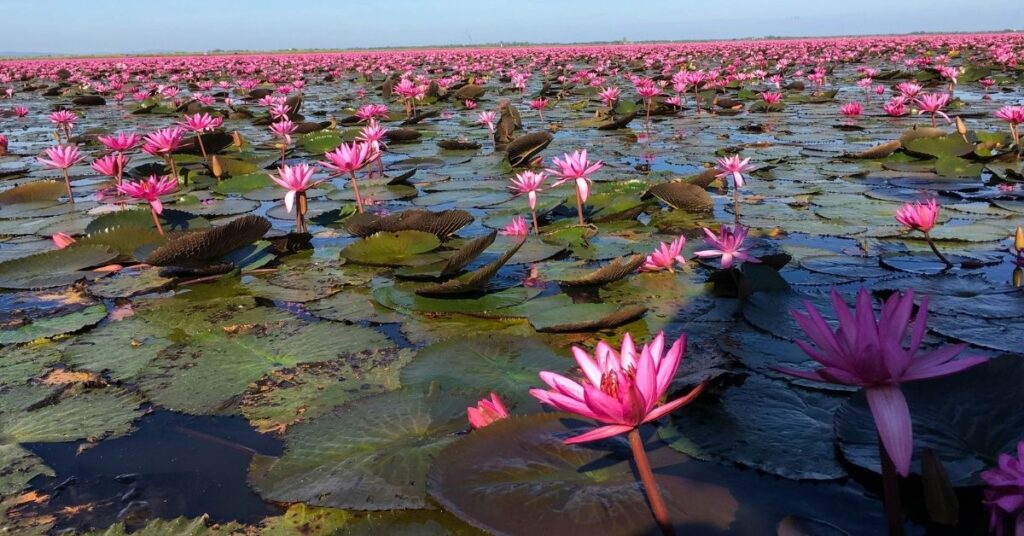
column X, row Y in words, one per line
column 55, row 325
column 390, row 249
column 54, row 268
column 372, row 454
column 516, row 476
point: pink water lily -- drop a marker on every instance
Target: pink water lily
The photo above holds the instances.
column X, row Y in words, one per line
column 1005, row 493
column 867, row 352
column 933, row 103
column 62, row 157
column 516, row 227
column 62, row 240
column 296, row 180
column 529, row 183
column 665, row 256
column 163, row 143
column 851, row 109
column 622, row 390
column 576, row 167
column 111, row 165
column 150, row 191
column 727, row 244
column 486, row 412
column 199, row 123
column 121, row 142
column 349, row 158
column 921, row 217
column 487, row 119
column 65, row 121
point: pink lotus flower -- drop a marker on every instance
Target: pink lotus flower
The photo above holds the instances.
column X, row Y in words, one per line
column 516, row 227
column 348, row 158
column 933, row 103
column 529, row 183
column 1014, row 116
column 868, row 353
column 62, row 240
column 909, row 90
column 3, row 145
column 20, row 111
column 61, row 157
column 121, row 142
column 1005, row 493
column 728, row 245
column 150, row 190
column 111, row 165
column 283, row 129
column 732, row 165
column 486, row 412
column 665, row 256
column 609, row 96
column 368, row 112
column 771, row 97
column 469, row 104
column 163, row 142
column 65, row 119
column 918, row 216
column 539, row 103
column 296, row 179
column 373, row 134
column 621, row 389
column 486, row 118
column 895, row 107
column 576, row 167
column 851, row 109
column 201, row 122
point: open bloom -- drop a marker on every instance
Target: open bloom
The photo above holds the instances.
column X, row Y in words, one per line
column 529, row 183
column 665, row 256
column 728, row 245
column 111, row 165
column 373, row 134
column 539, row 103
column 368, row 112
column 1005, row 493
column 575, row 167
column 516, row 227
column 771, row 97
column 121, row 142
column 1013, row 115
column 163, row 142
column 851, row 109
column 486, row 118
column 918, row 216
column 621, row 389
column 201, row 122
column 349, row 157
column 3, row 145
column 295, row 179
column 895, row 107
column 868, row 352
column 486, row 412
column 732, row 165
column 20, row 111
column 150, row 190
column 283, row 129
column 609, row 96
column 61, row 156
column 933, row 103
column 64, row 119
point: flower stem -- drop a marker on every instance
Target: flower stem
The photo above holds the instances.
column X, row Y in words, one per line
column 536, row 228
column 300, row 212
column 156, row 221
column 579, row 207
column 891, row 492
column 736, row 204
column 935, row 250
column 67, row 182
column 643, row 466
column 355, row 188
column 202, row 148
column 174, row 169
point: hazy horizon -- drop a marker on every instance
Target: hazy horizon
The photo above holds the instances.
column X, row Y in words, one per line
column 64, row 27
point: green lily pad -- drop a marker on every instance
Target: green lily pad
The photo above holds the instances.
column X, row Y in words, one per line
column 318, row 143
column 390, row 249
column 53, row 326
column 506, row 365
column 515, row 476
column 54, row 268
column 372, row 454
column 407, row 301
column 182, row 526
column 244, row 184
column 353, row 306
column 763, row 424
column 950, row 145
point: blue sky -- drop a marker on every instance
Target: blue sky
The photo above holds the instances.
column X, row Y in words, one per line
column 119, row 26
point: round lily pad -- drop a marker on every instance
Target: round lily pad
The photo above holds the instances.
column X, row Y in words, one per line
column 390, row 249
